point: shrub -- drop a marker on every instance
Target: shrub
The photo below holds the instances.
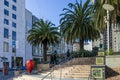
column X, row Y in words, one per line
column 83, row 53
column 109, row 53
column 95, row 50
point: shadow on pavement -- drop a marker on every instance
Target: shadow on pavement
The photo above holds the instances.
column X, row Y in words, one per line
column 110, row 72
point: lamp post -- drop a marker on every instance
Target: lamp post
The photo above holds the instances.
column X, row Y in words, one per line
column 108, row 7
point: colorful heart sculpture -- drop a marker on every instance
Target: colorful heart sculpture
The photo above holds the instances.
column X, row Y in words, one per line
column 29, row 65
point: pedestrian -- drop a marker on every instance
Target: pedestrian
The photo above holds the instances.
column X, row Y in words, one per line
column 68, row 54
column 55, row 57
column 52, row 59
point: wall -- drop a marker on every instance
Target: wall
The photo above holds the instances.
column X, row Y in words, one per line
column 113, row 61
column 20, row 29
column 82, row 61
column 28, row 47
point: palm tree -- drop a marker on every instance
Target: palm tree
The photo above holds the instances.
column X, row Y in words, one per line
column 76, row 22
column 43, row 32
column 99, row 12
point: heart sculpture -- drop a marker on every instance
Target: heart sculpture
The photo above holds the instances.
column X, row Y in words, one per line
column 29, row 65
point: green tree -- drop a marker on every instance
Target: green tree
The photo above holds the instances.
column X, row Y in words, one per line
column 76, row 23
column 100, row 12
column 43, row 32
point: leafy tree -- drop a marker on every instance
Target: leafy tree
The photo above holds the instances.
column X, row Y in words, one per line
column 77, row 23
column 100, row 13
column 43, row 32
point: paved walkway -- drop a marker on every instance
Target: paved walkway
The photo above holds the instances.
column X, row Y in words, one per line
column 6, row 77
column 39, row 76
column 33, row 76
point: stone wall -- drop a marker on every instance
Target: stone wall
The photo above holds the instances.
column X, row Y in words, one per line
column 82, row 61
column 113, row 67
column 113, row 61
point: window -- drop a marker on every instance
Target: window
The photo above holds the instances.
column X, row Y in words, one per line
column 6, row 21
column 14, row 24
column 6, row 12
column 13, row 46
column 13, row 16
column 5, row 46
column 6, row 33
column 14, row 7
column 14, row 0
column 13, row 35
column 6, row 3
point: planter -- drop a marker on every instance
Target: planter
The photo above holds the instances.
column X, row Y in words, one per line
column 41, row 67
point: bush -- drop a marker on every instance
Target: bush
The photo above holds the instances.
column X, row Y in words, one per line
column 44, row 62
column 95, row 50
column 109, row 53
column 83, row 53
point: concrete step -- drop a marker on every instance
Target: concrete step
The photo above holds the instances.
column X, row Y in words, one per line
column 76, row 76
column 80, row 71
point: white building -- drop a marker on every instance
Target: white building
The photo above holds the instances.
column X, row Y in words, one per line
column 28, row 47
column 98, row 43
column 116, row 38
column 37, row 52
column 12, row 31
column 87, row 46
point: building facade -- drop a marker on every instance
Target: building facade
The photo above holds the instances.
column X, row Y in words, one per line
column 28, row 24
column 100, row 43
column 37, row 51
column 114, row 39
column 12, row 30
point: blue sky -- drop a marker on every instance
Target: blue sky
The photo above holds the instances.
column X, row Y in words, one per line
column 48, row 9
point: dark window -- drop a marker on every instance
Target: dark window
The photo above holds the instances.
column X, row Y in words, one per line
column 14, row 24
column 14, row 0
column 6, row 12
column 6, row 33
column 6, row 3
column 13, row 35
column 13, row 16
column 6, row 21
column 13, row 46
column 6, row 47
column 14, row 7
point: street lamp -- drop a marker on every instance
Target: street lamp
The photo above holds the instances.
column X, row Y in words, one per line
column 108, row 7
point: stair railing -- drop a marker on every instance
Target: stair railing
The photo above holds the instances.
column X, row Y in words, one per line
column 89, row 78
column 59, row 66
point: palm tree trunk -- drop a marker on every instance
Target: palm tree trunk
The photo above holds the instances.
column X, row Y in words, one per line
column 81, row 43
column 44, row 51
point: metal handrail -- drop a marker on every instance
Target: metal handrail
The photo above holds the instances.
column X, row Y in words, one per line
column 46, row 76
column 63, row 61
column 89, row 78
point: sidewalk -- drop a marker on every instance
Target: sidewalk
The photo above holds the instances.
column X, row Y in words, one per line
column 39, row 76
column 6, row 77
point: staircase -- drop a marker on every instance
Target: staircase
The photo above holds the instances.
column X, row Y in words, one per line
column 73, row 71
column 77, row 72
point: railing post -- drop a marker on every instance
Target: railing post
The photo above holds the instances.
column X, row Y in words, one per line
column 51, row 76
column 60, row 73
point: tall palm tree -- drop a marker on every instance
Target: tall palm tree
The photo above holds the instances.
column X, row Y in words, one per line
column 43, row 32
column 76, row 22
column 99, row 12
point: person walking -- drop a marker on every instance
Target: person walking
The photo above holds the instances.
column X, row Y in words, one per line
column 51, row 60
column 55, row 57
column 68, row 54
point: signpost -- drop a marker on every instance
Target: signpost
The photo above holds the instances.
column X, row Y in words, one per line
column 98, row 70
